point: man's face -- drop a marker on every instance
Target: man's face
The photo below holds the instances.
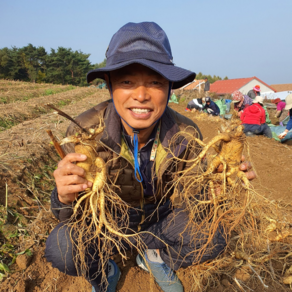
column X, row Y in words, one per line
column 140, row 95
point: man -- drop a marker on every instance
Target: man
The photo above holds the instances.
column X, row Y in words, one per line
column 253, row 93
column 254, row 119
column 140, row 75
column 211, row 107
column 207, row 87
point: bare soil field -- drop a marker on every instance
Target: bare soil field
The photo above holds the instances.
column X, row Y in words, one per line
column 11, row 91
column 23, row 109
column 27, row 162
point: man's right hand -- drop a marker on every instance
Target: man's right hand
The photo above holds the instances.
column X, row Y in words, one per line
column 70, row 178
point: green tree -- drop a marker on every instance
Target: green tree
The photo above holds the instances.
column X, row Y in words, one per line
column 11, row 64
column 34, row 61
column 100, row 65
column 211, row 79
column 34, row 64
column 6, row 63
column 67, row 67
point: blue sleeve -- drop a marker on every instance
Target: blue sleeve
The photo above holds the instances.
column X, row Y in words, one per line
column 289, row 125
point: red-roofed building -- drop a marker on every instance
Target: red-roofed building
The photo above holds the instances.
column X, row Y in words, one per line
column 196, row 84
column 244, row 85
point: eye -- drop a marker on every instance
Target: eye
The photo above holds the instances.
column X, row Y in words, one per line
column 155, row 82
column 126, row 82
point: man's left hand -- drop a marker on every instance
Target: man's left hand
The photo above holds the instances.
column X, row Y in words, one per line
column 245, row 166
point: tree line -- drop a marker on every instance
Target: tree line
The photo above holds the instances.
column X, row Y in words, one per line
column 34, row 64
column 61, row 66
column 211, row 79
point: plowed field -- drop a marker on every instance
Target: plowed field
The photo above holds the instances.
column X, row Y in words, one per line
column 28, row 161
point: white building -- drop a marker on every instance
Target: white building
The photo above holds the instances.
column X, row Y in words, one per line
column 244, row 85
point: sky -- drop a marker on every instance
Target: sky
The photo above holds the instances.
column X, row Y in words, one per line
column 230, row 38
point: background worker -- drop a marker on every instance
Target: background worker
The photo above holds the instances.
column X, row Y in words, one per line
column 288, row 107
column 240, row 101
column 281, row 112
column 206, row 87
column 253, row 93
column 195, row 104
column 254, row 119
column 211, row 107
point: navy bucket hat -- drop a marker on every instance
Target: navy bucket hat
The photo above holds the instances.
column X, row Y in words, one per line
column 147, row 44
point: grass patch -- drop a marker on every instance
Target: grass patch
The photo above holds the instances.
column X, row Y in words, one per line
column 11, row 233
column 7, row 123
column 63, row 102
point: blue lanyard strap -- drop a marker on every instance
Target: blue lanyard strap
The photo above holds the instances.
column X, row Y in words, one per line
column 153, row 152
column 136, row 161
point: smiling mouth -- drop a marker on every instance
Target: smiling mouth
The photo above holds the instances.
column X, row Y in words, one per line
column 140, row 110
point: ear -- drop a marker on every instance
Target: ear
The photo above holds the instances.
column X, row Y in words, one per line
column 106, row 80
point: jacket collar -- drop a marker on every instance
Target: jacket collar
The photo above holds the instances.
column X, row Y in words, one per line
column 111, row 136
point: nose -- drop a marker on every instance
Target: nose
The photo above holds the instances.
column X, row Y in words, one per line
column 141, row 94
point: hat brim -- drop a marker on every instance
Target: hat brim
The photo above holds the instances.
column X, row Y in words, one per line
column 288, row 106
column 255, row 101
column 177, row 75
column 235, row 101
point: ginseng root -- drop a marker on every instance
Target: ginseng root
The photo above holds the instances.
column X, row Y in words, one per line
column 257, row 231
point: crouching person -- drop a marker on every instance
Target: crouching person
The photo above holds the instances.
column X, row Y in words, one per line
column 288, row 107
column 254, row 119
column 281, row 112
column 211, row 107
column 195, row 104
column 240, row 101
column 139, row 127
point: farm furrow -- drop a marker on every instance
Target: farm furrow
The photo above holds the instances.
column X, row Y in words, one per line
column 10, row 87
column 13, row 114
column 27, row 162
column 23, row 146
column 22, row 95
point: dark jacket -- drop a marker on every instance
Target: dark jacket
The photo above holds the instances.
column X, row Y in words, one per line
column 120, row 166
column 207, row 86
column 214, row 107
column 252, row 95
